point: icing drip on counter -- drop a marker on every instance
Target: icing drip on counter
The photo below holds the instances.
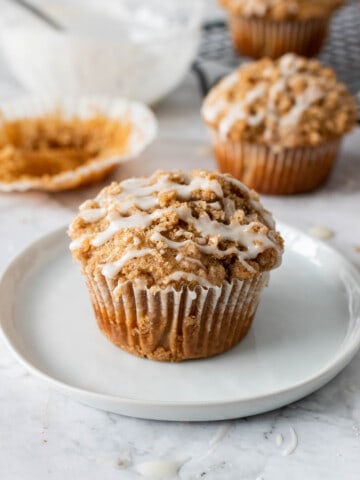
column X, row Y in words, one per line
column 161, row 469
column 292, row 443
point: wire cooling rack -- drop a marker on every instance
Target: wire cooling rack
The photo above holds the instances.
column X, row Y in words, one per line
column 342, row 50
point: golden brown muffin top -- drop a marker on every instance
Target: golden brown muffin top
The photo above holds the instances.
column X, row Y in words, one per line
column 282, row 9
column 289, row 102
column 176, row 228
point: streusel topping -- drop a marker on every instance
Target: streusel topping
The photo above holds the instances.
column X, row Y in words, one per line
column 175, row 228
column 287, row 102
column 282, row 9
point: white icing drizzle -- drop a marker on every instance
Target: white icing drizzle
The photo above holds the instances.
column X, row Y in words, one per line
column 214, row 205
column 195, row 261
column 288, row 66
column 254, row 242
column 161, row 469
column 303, row 101
column 256, row 119
column 250, row 239
column 158, row 237
column 221, row 432
column 117, row 223
column 110, row 270
column 211, row 110
column 141, row 188
column 92, row 214
column 279, row 440
column 213, row 106
column 238, row 111
column 77, row 243
column 207, row 249
column 235, row 113
column 230, row 80
column 259, row 8
column 229, row 207
column 125, row 203
column 138, row 193
column 292, row 444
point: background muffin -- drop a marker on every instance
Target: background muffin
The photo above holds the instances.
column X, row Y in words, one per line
column 175, row 263
column 277, row 125
column 273, row 27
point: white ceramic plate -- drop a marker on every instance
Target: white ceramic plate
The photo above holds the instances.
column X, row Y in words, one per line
column 306, row 330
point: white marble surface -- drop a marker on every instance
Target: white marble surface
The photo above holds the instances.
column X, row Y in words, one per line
column 45, row 435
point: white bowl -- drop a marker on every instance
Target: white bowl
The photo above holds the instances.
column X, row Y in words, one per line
column 139, row 49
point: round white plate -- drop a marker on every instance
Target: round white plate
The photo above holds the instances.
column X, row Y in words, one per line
column 306, row 330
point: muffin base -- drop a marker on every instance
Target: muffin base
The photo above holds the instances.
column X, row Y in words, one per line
column 285, row 172
column 257, row 37
column 171, row 325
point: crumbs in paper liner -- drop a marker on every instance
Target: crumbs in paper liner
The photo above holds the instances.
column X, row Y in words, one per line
column 65, row 146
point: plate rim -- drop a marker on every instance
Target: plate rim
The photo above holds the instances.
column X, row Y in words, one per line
column 340, row 360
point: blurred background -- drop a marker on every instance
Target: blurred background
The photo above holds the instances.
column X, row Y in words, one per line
column 141, row 50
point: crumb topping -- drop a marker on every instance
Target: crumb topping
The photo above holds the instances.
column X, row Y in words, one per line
column 287, row 102
column 282, row 9
column 174, row 228
column 51, row 144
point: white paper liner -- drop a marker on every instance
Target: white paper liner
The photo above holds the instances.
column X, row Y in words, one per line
column 144, row 131
column 173, row 325
column 286, row 171
column 257, row 37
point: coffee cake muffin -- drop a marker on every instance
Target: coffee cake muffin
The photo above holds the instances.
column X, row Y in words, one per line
column 277, row 125
column 271, row 28
column 175, row 263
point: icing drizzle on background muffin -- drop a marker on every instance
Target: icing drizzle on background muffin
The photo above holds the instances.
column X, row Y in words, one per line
column 284, row 103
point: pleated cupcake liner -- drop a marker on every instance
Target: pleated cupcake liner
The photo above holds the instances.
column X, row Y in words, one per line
column 174, row 325
column 143, row 131
column 284, row 172
column 260, row 37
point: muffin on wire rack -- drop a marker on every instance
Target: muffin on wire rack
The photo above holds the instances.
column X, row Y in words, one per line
column 273, row 27
column 277, row 125
column 175, row 263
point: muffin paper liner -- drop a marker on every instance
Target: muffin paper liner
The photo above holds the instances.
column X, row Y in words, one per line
column 174, row 325
column 143, row 132
column 288, row 171
column 257, row 37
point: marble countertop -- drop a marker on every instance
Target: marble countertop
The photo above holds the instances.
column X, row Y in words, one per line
column 45, row 435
